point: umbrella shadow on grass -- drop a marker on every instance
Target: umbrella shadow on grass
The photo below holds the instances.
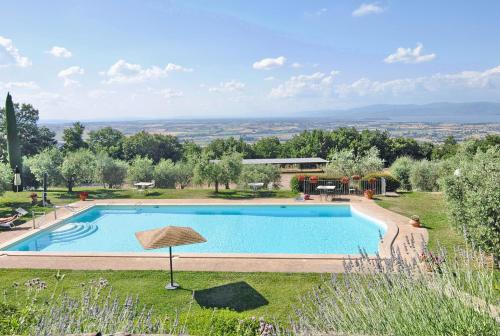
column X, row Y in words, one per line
column 238, row 296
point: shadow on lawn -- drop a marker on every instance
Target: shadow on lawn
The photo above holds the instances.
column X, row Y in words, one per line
column 238, row 296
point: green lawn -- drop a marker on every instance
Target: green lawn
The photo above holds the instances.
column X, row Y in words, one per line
column 269, row 295
column 431, row 208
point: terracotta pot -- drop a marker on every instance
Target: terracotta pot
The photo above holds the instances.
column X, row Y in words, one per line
column 313, row 180
column 369, row 194
column 345, row 180
column 414, row 223
column 83, row 197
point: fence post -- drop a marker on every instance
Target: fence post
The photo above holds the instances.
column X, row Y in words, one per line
column 382, row 180
column 33, row 215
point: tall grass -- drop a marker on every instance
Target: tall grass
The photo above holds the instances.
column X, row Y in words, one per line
column 412, row 295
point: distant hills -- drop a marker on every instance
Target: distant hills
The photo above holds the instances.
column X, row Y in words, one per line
column 476, row 112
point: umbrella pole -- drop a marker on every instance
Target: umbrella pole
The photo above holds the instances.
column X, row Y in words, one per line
column 171, row 285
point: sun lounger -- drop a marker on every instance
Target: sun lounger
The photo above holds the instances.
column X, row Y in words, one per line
column 8, row 222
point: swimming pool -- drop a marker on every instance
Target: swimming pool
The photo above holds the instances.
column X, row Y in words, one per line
column 266, row 229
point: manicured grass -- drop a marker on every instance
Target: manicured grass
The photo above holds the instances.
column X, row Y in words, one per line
column 431, row 208
column 269, row 295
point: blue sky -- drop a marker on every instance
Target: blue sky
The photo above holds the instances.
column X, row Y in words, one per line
column 183, row 59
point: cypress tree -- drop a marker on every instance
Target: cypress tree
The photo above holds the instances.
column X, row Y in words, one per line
column 13, row 146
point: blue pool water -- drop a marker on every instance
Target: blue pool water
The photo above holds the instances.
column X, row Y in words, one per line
column 228, row 229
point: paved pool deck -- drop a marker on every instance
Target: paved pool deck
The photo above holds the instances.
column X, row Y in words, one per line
column 399, row 232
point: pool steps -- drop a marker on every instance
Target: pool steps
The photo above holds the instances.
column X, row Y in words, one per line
column 76, row 231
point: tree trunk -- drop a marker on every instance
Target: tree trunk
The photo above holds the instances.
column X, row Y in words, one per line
column 227, row 185
column 216, row 186
column 70, row 186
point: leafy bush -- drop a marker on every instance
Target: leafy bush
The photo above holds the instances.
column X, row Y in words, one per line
column 165, row 174
column 140, row 170
column 294, row 183
column 224, row 322
column 266, row 174
column 473, row 198
column 424, row 175
column 424, row 295
column 391, row 183
column 109, row 171
column 401, row 169
column 6, row 177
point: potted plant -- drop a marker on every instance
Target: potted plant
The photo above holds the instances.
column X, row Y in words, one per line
column 369, row 193
column 344, row 180
column 356, row 177
column 34, row 198
column 313, row 180
column 84, row 195
column 415, row 221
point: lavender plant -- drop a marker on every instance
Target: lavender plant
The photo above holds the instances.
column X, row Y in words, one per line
column 409, row 294
column 99, row 309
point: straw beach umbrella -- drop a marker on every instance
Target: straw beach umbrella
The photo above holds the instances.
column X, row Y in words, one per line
column 169, row 236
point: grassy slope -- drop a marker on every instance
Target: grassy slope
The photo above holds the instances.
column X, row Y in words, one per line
column 431, row 208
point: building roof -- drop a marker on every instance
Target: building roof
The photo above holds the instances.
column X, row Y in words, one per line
column 281, row 161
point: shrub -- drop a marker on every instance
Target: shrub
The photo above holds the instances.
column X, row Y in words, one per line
column 401, row 169
column 473, row 198
column 395, row 296
column 424, row 176
column 260, row 173
column 165, row 174
column 6, row 177
column 391, row 183
column 140, row 170
column 294, row 183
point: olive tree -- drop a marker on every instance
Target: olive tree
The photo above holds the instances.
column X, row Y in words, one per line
column 140, row 170
column 267, row 174
column 401, row 169
column 109, row 171
column 473, row 199
column 78, row 167
column 165, row 174
column 49, row 162
column 347, row 163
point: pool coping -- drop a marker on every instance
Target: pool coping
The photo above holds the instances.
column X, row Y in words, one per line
column 108, row 260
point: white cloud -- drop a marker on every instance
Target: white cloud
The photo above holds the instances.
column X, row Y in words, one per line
column 170, row 93
column 269, row 63
column 317, row 83
column 408, row 55
column 296, row 65
column 66, row 75
column 60, row 52
column 367, row 8
column 20, row 85
column 231, row 86
column 124, row 72
column 437, row 83
column 10, row 54
column 270, row 78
